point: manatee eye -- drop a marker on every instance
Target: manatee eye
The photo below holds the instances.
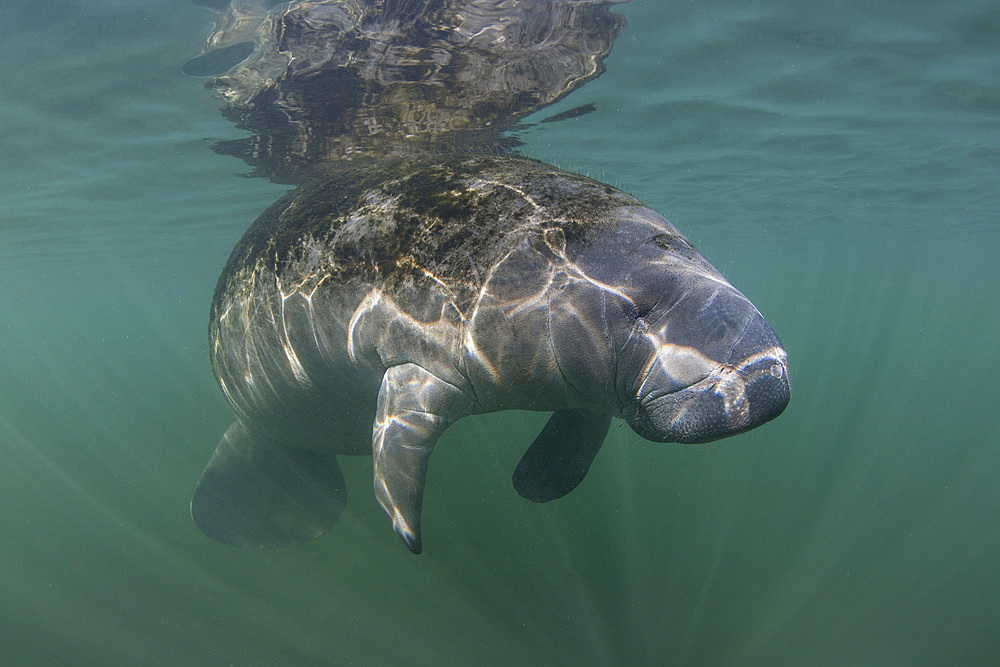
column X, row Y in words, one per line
column 649, row 295
column 674, row 244
column 640, row 305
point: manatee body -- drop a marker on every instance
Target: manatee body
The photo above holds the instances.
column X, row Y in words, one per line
column 377, row 306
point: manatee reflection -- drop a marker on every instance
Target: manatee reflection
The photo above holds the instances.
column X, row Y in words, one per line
column 330, row 78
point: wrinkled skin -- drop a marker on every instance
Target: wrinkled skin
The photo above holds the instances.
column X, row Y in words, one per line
column 376, row 308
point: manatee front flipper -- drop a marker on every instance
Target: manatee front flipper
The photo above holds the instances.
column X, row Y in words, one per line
column 414, row 409
column 561, row 455
column 254, row 493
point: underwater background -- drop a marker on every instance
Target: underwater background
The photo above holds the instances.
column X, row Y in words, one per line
column 838, row 161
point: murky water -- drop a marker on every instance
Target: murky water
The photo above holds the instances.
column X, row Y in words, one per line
column 839, row 162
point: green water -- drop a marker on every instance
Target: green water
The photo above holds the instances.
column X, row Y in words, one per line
column 838, row 161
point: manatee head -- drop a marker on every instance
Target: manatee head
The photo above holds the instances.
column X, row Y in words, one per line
column 695, row 360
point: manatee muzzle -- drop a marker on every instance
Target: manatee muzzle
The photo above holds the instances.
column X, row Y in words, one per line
column 732, row 399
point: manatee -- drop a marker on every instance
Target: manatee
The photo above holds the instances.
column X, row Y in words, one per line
column 371, row 309
column 422, row 272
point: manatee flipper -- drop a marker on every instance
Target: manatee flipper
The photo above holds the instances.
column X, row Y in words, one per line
column 561, row 455
column 254, row 493
column 414, row 409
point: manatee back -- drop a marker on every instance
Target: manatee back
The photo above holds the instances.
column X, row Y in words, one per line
column 439, row 223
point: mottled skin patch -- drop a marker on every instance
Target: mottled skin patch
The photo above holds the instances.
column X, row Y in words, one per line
column 401, row 220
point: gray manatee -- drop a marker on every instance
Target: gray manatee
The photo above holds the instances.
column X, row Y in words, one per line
column 392, row 297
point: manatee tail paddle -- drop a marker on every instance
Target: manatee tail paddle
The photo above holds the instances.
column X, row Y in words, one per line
column 254, row 493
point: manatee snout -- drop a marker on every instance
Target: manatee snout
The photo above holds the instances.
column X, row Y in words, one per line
column 693, row 394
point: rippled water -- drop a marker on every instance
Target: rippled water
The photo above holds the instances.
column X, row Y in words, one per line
column 838, row 161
